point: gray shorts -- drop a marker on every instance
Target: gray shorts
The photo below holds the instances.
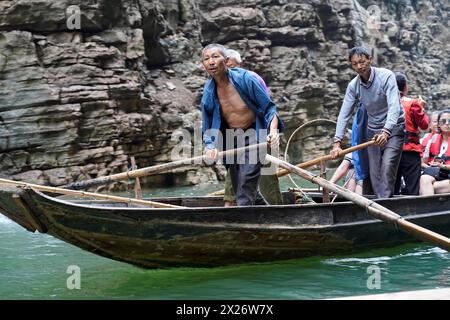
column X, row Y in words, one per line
column 351, row 174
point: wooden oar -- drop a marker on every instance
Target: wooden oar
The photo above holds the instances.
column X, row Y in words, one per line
column 310, row 163
column 153, row 169
column 315, row 161
column 375, row 209
column 89, row 194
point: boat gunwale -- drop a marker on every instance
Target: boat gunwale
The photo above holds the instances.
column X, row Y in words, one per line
column 78, row 203
column 248, row 226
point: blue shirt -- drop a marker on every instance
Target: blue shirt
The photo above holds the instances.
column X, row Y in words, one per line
column 380, row 97
column 250, row 91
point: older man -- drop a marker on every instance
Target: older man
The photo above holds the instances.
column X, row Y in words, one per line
column 236, row 105
column 376, row 89
column 269, row 185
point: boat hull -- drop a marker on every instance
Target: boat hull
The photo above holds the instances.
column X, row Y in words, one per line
column 216, row 236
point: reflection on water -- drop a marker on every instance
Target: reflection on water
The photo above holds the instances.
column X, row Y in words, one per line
column 34, row 266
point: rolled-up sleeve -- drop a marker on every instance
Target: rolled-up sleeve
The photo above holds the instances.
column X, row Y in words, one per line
column 419, row 117
column 206, row 127
column 348, row 105
column 264, row 103
column 394, row 104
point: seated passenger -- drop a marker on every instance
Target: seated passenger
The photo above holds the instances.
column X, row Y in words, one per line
column 435, row 178
column 429, row 138
column 351, row 182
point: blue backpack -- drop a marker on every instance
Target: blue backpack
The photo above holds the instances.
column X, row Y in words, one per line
column 359, row 135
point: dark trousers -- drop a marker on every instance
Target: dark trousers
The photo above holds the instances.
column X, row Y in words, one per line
column 245, row 171
column 410, row 170
column 245, row 179
column 383, row 162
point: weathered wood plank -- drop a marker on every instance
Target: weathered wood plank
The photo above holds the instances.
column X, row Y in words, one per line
column 37, row 225
column 216, row 236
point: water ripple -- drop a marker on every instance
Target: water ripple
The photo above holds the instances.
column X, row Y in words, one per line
column 421, row 252
column 40, row 262
column 4, row 220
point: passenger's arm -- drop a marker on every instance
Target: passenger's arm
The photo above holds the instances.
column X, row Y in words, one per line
column 340, row 171
column 420, row 118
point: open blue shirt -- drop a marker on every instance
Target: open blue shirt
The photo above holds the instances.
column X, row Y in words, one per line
column 251, row 92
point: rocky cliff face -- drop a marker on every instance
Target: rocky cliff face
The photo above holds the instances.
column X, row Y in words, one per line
column 77, row 100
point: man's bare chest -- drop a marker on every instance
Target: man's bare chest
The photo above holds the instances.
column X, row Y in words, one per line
column 230, row 100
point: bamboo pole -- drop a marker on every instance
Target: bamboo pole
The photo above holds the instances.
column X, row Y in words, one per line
column 88, row 194
column 153, row 169
column 373, row 208
column 310, row 163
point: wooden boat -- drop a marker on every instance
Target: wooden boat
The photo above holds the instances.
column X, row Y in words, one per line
column 205, row 234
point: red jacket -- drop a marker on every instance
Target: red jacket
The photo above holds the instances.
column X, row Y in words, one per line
column 415, row 119
column 435, row 150
column 426, row 139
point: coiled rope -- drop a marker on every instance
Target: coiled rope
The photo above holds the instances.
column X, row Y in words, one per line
column 289, row 141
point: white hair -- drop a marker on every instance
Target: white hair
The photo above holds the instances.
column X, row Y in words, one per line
column 222, row 50
column 230, row 53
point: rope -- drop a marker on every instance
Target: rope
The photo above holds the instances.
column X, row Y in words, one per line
column 345, row 185
column 289, row 141
column 302, row 192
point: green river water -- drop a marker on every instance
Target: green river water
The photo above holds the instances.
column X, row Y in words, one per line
column 35, row 266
